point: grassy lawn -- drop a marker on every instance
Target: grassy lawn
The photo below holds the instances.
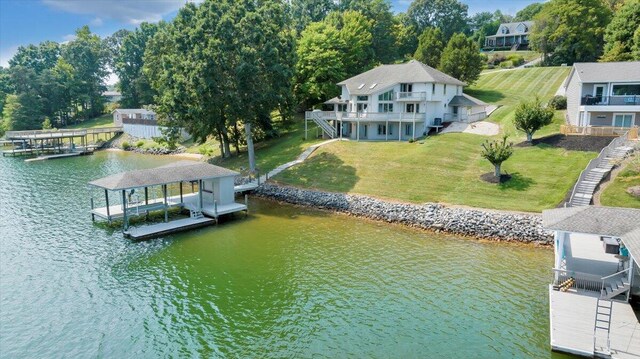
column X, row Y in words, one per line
column 616, row 193
column 105, row 120
column 446, row 168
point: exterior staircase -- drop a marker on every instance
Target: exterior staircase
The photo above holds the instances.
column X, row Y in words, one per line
column 515, row 46
column 602, row 329
column 618, row 287
column 597, row 170
column 326, row 127
column 195, row 214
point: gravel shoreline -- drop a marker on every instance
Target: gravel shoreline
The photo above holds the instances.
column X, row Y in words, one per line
column 481, row 224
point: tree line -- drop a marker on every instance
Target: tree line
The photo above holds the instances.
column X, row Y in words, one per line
column 228, row 68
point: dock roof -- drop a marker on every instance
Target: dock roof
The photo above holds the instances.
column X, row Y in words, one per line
column 181, row 171
column 605, row 221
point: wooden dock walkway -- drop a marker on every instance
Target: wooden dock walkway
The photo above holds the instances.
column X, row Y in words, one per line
column 158, row 229
column 57, row 156
column 572, row 317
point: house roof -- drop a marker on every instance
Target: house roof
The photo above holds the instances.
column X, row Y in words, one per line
column 385, row 76
column 336, row 100
column 466, row 100
column 171, row 173
column 607, row 71
column 130, row 111
column 511, row 27
column 605, row 221
column 111, row 93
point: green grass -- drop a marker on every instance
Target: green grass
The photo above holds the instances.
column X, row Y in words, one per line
column 443, row 169
column 446, row 168
column 615, row 194
column 105, row 120
column 508, row 88
column 528, row 55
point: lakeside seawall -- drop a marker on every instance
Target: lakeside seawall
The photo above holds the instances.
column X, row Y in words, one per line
column 482, row 224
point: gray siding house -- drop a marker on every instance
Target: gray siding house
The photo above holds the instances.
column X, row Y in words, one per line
column 511, row 34
column 604, row 94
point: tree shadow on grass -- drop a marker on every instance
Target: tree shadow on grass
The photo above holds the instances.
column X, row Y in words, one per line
column 324, row 171
column 517, row 182
column 485, row 95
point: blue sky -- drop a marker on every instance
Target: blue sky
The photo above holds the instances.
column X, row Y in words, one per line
column 31, row 21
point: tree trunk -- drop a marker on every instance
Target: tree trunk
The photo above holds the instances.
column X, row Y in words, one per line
column 225, row 141
column 236, row 138
column 497, row 170
column 250, row 150
column 529, row 137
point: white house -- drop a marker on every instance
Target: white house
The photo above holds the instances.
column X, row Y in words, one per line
column 139, row 123
column 396, row 102
column 604, row 94
column 596, row 275
column 511, row 34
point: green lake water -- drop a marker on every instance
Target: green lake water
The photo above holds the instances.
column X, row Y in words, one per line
column 283, row 282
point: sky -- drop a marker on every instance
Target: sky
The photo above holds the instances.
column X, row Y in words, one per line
column 24, row 22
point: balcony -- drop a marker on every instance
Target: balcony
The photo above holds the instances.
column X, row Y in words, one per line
column 366, row 116
column 626, row 100
column 411, row 96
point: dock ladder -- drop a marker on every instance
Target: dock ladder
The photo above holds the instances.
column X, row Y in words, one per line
column 602, row 329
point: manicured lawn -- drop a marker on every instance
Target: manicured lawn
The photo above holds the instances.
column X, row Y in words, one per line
column 616, row 193
column 508, row 88
column 105, row 120
column 274, row 152
column 444, row 169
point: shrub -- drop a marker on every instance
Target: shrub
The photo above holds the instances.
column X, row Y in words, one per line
column 506, row 65
column 140, row 143
column 497, row 152
column 516, row 59
column 558, row 102
column 126, row 146
column 496, row 59
column 531, row 116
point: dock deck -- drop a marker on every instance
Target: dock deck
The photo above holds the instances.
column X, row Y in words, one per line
column 157, row 229
column 572, row 318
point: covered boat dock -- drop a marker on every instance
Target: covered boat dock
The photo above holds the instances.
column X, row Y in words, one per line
column 202, row 189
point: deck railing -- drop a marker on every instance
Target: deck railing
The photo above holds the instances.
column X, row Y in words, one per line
column 61, row 132
column 584, row 281
column 616, row 100
column 449, row 117
column 366, row 116
column 411, row 96
column 571, row 130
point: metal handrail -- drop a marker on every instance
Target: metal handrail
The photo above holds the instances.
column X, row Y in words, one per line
column 615, row 274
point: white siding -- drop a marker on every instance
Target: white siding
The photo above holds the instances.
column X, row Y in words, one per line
column 223, row 190
column 574, row 93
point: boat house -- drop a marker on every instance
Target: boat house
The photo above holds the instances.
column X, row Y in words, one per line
column 205, row 190
column 596, row 281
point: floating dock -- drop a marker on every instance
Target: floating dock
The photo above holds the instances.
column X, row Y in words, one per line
column 55, row 141
column 61, row 155
column 158, row 229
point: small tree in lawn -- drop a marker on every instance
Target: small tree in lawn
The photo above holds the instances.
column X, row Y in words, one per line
column 532, row 116
column 497, row 152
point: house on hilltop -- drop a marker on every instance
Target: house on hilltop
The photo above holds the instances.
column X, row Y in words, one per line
column 604, row 94
column 512, row 34
column 140, row 123
column 396, row 102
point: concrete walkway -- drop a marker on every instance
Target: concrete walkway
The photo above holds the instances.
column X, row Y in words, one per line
column 482, row 128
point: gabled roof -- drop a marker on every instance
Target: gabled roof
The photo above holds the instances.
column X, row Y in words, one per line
column 466, row 100
column 605, row 221
column 607, row 71
column 131, row 111
column 336, row 101
column 511, row 27
column 171, row 173
column 385, row 76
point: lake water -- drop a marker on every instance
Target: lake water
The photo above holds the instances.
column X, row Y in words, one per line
column 283, row 282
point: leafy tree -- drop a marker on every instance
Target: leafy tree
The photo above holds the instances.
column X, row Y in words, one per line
column 134, row 85
column 529, row 12
column 46, row 124
column 113, row 44
column 304, row 12
column 405, row 36
column 448, row 15
column 355, row 34
column 430, row 46
column 532, row 116
column 37, row 57
column 619, row 34
column 483, row 24
column 6, row 86
column 22, row 112
column 382, row 26
column 462, row 59
column 497, row 152
column 636, row 44
column 560, row 30
column 320, row 65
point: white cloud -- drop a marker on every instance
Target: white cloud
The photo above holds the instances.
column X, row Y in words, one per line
column 129, row 11
column 96, row 22
column 68, row 37
column 6, row 55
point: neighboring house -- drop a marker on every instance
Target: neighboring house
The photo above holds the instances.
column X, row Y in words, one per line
column 596, row 274
column 112, row 96
column 511, row 34
column 137, row 122
column 603, row 94
column 396, row 102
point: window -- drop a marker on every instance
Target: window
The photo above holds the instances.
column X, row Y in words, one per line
column 445, row 89
column 362, row 107
column 387, row 96
column 360, row 87
column 455, row 110
column 372, row 86
column 406, row 87
column 433, row 88
column 382, row 130
column 631, row 89
column 342, row 107
column 412, row 108
column 408, row 129
column 385, row 107
column 623, row 119
column 363, row 98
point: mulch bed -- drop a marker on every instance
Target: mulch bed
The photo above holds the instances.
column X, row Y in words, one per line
column 571, row 143
column 491, row 178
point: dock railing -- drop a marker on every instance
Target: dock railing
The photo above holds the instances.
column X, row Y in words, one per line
column 584, row 281
column 604, row 153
